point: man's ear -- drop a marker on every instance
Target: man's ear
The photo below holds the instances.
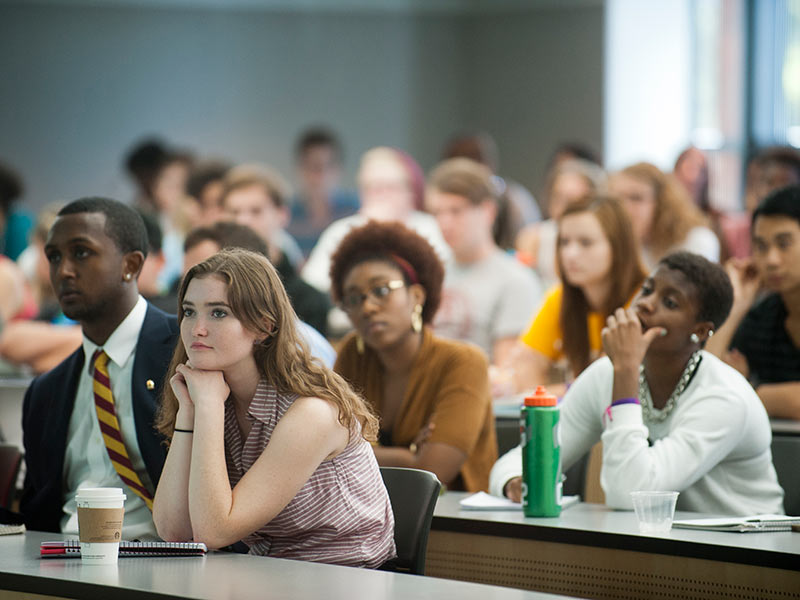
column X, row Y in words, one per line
column 132, row 265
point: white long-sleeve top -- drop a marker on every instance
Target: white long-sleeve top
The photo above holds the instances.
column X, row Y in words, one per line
column 317, row 268
column 714, row 448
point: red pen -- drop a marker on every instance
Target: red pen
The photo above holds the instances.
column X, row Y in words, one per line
column 67, row 548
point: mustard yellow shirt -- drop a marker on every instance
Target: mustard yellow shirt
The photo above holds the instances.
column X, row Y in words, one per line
column 545, row 336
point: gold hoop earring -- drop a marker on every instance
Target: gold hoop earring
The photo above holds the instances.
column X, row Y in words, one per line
column 359, row 344
column 416, row 318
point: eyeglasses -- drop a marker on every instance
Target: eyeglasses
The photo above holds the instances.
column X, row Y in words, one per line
column 378, row 294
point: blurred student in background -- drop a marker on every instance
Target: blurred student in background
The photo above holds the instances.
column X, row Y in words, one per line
column 255, row 196
column 15, row 223
column 204, row 187
column 160, row 174
column 320, row 199
column 663, row 215
column 481, row 147
column 692, row 172
column 41, row 342
column 570, row 180
column 488, row 296
column 391, row 187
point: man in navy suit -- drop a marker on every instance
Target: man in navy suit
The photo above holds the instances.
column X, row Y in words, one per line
column 96, row 248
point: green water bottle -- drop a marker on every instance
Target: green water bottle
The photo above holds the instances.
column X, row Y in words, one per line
column 540, row 438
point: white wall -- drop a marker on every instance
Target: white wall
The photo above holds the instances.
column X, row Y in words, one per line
column 647, row 81
column 81, row 83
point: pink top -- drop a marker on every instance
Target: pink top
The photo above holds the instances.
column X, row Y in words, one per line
column 29, row 308
column 341, row 515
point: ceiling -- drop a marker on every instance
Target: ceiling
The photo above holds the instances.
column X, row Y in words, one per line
column 390, row 6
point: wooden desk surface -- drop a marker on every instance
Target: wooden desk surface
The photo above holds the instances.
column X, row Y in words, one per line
column 218, row 576
column 599, row 526
column 595, row 552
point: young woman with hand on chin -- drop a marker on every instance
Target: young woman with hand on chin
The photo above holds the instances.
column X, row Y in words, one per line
column 670, row 415
column 267, row 445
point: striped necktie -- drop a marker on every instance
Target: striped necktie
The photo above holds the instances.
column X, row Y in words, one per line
column 109, row 426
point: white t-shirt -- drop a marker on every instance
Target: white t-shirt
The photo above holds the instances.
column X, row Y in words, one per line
column 86, row 461
column 700, row 240
column 488, row 300
column 317, row 268
column 714, row 448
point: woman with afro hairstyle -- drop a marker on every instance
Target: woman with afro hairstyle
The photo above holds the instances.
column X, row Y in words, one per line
column 432, row 395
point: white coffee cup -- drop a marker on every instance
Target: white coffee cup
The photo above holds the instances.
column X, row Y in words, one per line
column 100, row 514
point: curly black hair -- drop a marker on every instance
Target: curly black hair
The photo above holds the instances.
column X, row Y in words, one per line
column 384, row 242
column 711, row 282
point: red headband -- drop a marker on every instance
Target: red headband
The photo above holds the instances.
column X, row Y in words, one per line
column 406, row 267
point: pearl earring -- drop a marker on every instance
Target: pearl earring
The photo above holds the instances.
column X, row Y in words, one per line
column 694, row 338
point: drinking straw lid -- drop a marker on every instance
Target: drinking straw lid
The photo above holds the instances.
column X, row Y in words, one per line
column 541, row 398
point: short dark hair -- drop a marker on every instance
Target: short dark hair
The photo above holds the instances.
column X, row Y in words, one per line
column 123, row 224
column 784, row 202
column 10, row 188
column 226, row 234
column 387, row 242
column 785, row 156
column 710, row 281
column 577, row 149
column 266, row 177
column 318, row 136
column 204, row 173
column 155, row 237
column 145, row 160
column 478, row 146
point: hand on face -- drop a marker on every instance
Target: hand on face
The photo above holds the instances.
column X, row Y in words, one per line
column 178, row 384
column 205, row 389
column 745, row 279
column 624, row 341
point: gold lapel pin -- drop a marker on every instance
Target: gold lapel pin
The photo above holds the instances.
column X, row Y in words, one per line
column 150, row 384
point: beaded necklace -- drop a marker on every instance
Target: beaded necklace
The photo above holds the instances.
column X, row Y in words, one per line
column 649, row 412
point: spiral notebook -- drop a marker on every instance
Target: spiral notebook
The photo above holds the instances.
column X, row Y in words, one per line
column 72, row 549
column 755, row 523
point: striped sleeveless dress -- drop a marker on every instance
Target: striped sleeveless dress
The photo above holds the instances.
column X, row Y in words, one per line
column 341, row 515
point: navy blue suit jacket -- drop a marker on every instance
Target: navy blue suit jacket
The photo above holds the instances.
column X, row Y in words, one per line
column 48, row 407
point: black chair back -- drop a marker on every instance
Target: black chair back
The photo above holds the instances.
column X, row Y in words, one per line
column 413, row 495
column 10, row 461
column 785, row 456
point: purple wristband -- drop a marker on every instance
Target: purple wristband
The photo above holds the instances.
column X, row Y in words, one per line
column 618, row 403
column 625, row 401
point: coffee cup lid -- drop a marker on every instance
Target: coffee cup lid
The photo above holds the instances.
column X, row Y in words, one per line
column 105, row 493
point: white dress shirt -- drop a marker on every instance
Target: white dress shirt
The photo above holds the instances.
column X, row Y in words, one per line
column 86, row 461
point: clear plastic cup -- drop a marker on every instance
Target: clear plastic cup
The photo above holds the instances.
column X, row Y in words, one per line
column 100, row 514
column 654, row 510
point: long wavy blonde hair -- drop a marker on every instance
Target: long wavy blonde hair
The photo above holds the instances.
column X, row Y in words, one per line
column 258, row 299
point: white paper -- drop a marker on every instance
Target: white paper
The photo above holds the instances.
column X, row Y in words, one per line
column 484, row 501
column 742, row 524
